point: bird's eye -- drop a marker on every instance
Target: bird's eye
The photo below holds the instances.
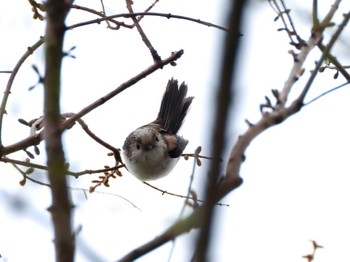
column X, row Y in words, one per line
column 157, row 139
column 138, row 146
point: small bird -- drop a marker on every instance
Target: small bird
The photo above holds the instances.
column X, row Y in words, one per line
column 152, row 151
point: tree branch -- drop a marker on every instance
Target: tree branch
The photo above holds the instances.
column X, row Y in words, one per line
column 225, row 95
column 36, row 139
column 61, row 202
column 145, row 39
column 7, row 92
column 128, row 15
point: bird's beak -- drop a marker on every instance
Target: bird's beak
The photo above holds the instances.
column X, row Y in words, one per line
column 149, row 147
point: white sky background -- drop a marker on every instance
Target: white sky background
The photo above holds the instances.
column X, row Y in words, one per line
column 296, row 176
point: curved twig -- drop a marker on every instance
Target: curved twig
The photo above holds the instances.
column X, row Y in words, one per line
column 128, row 15
column 14, row 72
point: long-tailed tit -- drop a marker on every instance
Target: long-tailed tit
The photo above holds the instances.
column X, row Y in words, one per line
column 151, row 151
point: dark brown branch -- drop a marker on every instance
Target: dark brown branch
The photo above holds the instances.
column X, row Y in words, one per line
column 144, row 38
column 61, row 206
column 225, row 95
column 36, row 139
column 128, row 15
column 174, row 56
column 115, row 151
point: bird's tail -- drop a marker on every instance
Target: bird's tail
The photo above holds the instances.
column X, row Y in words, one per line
column 174, row 106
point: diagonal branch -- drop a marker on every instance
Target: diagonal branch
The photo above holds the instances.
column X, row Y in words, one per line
column 7, row 91
column 145, row 39
column 36, row 139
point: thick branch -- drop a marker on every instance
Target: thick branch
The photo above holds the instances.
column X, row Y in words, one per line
column 224, row 97
column 61, row 203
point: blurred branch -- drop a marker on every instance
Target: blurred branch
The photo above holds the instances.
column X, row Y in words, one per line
column 61, row 206
column 326, row 49
column 310, row 257
column 202, row 216
column 225, row 95
column 178, row 228
column 305, row 49
column 217, row 189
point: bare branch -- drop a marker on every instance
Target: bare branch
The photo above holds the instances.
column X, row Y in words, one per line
column 145, row 39
column 61, row 203
column 7, row 92
column 128, row 15
column 36, row 139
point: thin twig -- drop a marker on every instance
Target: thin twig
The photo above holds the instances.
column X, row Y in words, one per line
column 100, row 141
column 102, row 14
column 189, row 190
column 144, row 38
column 7, row 91
column 325, row 93
column 164, row 192
column 106, row 193
column 128, row 15
column 68, row 172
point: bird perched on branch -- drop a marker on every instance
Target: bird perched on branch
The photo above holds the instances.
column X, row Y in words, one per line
column 152, row 151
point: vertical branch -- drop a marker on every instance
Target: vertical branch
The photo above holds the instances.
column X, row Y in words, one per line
column 61, row 203
column 224, row 98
